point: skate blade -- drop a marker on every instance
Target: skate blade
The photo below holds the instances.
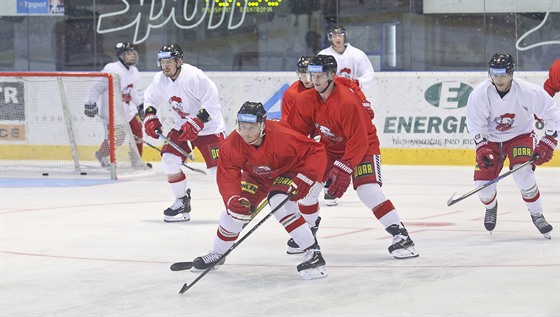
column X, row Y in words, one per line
column 195, row 270
column 177, row 218
column 294, row 251
column 407, row 253
column 314, row 273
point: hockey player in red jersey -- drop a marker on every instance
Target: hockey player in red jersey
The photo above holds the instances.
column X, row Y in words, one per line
column 197, row 117
column 266, row 159
column 552, row 83
column 304, row 83
column 352, row 148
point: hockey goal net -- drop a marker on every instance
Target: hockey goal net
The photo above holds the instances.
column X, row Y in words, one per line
column 43, row 127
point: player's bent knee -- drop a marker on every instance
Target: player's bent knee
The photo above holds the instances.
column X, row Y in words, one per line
column 171, row 163
column 371, row 194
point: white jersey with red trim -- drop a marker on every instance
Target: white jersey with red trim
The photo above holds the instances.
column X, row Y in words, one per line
column 128, row 86
column 190, row 92
column 501, row 119
column 353, row 63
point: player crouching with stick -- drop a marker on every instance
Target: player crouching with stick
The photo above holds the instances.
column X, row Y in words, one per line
column 263, row 159
column 500, row 118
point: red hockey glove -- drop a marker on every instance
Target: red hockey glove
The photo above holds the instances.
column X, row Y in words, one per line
column 545, row 149
column 484, row 155
column 152, row 123
column 189, row 131
column 90, row 110
column 302, row 184
column 338, row 179
column 367, row 108
column 239, row 208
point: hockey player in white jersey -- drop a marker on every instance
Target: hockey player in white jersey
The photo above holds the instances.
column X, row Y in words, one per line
column 193, row 99
column 500, row 118
column 352, row 62
column 131, row 100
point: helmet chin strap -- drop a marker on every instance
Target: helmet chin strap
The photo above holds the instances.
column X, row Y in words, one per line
column 257, row 139
column 330, row 81
column 177, row 71
column 125, row 64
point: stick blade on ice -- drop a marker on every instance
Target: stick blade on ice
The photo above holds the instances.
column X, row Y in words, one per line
column 450, row 200
column 184, row 289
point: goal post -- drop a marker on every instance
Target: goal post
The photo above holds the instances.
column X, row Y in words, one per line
column 43, row 126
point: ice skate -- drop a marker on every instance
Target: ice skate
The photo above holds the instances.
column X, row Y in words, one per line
column 490, row 218
column 403, row 246
column 313, row 267
column 180, row 210
column 544, row 227
column 103, row 160
column 201, row 263
column 329, row 200
column 293, row 247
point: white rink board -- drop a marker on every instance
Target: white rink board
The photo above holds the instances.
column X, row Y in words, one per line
column 393, row 96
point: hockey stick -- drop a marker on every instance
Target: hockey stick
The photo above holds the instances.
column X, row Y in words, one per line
column 166, row 139
column 186, row 286
column 452, row 201
column 181, row 266
column 176, row 147
column 159, row 150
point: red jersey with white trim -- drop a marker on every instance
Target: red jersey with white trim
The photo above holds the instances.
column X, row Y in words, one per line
column 289, row 97
column 552, row 83
column 348, row 135
column 282, row 151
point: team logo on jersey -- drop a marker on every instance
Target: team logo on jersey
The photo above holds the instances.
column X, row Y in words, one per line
column 126, row 97
column 345, row 72
column 329, row 135
column 504, row 122
column 261, row 170
column 522, row 151
column 176, row 104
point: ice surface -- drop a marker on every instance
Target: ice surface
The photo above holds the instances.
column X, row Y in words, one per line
column 95, row 248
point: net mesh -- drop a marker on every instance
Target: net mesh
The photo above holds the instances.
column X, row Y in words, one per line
column 43, row 125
